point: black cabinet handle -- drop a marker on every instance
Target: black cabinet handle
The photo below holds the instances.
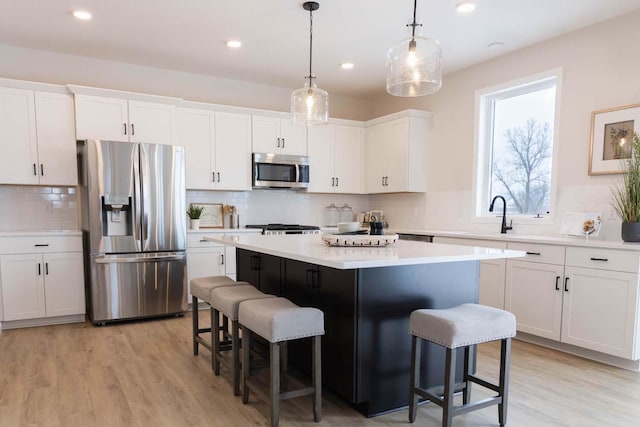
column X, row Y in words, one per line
column 282, row 142
column 333, row 182
column 41, row 169
column 307, row 274
column 35, row 171
column 255, row 262
column 213, row 177
column 337, row 182
column 46, row 268
column 41, row 245
column 315, row 284
column 278, row 142
column 133, row 129
column 599, row 259
column 557, row 281
column 221, row 259
column 125, row 128
column 39, row 271
column 533, row 253
column 383, row 181
column 218, row 173
column 566, row 281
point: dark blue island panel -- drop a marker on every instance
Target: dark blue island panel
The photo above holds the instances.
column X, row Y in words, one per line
column 366, row 348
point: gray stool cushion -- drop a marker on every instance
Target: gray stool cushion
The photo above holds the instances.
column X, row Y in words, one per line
column 278, row 319
column 228, row 298
column 464, row 325
column 201, row 287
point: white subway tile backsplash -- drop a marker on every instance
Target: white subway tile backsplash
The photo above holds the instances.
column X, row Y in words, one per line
column 37, row 208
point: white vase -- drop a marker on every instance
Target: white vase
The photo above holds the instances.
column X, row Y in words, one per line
column 195, row 224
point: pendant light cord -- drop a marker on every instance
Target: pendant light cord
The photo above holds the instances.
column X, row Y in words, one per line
column 414, row 24
column 310, row 43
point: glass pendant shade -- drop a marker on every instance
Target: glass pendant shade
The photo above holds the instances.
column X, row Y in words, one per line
column 310, row 104
column 414, row 67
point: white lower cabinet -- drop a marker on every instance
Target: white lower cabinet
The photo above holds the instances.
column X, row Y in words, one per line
column 492, row 272
column 39, row 282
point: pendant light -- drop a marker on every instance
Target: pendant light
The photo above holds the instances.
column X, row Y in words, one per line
column 414, row 65
column 310, row 104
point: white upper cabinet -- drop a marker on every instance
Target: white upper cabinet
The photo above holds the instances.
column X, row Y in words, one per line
column 336, row 159
column 37, row 138
column 218, row 149
column 278, row 135
column 395, row 153
column 116, row 119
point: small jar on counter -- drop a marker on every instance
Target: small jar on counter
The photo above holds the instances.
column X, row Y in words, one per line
column 346, row 213
column 332, row 215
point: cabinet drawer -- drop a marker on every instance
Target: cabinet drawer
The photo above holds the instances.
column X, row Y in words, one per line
column 604, row 259
column 196, row 240
column 40, row 244
column 548, row 254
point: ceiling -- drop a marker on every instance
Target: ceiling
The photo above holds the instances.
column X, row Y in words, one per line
column 190, row 35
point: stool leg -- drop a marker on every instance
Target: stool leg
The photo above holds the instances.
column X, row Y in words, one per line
column 275, row 383
column 235, row 355
column 284, row 365
column 215, row 341
column 466, row 395
column 449, row 387
column 415, row 377
column 194, row 315
column 246, row 363
column 225, row 328
column 317, row 379
column 505, row 360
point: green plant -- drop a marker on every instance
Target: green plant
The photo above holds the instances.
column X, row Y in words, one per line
column 195, row 211
column 626, row 196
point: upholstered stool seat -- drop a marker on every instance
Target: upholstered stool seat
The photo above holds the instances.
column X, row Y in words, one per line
column 200, row 289
column 463, row 326
column 226, row 300
column 278, row 320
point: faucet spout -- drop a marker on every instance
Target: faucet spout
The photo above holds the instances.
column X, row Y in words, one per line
column 503, row 228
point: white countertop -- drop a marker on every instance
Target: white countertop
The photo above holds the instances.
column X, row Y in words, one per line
column 593, row 242
column 40, row 233
column 311, row 249
column 226, row 231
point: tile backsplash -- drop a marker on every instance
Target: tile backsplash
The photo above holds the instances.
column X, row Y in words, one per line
column 30, row 208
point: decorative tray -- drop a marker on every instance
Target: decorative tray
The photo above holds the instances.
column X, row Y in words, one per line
column 359, row 240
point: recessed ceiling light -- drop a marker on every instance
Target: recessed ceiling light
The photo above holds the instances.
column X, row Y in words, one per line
column 346, row 66
column 495, row 45
column 466, row 6
column 234, row 44
column 82, row 14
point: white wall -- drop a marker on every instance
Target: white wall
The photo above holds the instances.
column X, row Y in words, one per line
column 601, row 69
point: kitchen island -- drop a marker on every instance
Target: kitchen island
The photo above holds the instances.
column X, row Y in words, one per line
column 367, row 295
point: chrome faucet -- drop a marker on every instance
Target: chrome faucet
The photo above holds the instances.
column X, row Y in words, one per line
column 504, row 227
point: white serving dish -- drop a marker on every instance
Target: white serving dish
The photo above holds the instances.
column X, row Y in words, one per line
column 359, row 240
column 348, row 227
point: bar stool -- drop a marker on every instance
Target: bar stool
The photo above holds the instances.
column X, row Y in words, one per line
column 201, row 290
column 278, row 320
column 226, row 300
column 463, row 326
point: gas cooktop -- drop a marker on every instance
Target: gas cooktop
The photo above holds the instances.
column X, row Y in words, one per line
column 287, row 228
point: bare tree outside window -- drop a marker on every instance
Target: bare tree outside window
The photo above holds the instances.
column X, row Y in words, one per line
column 522, row 172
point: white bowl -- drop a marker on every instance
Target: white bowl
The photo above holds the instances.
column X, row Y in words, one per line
column 348, row 227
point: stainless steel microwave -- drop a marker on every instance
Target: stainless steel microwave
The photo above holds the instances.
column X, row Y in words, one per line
column 280, row 171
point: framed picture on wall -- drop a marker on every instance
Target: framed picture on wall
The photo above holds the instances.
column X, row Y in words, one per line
column 211, row 215
column 611, row 138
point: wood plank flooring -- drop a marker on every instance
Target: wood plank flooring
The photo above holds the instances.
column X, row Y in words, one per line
column 144, row 374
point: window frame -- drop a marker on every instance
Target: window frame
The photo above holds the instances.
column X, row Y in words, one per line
column 483, row 137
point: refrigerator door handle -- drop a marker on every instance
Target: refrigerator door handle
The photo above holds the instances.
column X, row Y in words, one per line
column 137, row 198
column 137, row 259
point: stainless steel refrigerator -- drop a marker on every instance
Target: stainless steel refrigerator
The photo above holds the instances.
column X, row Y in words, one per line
column 134, row 224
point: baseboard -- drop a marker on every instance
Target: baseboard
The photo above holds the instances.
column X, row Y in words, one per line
column 42, row 321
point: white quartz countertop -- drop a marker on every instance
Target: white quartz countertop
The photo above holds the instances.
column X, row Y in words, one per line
column 226, row 231
column 311, row 249
column 593, row 242
column 40, row 233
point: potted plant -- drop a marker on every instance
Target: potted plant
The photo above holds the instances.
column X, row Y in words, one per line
column 626, row 196
column 195, row 213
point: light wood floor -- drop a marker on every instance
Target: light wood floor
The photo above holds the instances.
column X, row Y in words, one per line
column 144, row 374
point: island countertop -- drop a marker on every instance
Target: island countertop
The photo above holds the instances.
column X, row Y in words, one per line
column 311, row 249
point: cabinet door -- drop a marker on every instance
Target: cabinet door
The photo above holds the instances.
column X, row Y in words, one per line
column 22, row 286
column 534, row 295
column 375, row 157
column 293, row 138
column 230, row 261
column 56, row 139
column 347, row 158
column 18, row 145
column 397, row 156
column 98, row 117
column 151, row 122
column 600, row 310
column 194, row 131
column 233, row 151
column 204, row 262
column 321, row 166
column 247, row 267
column 492, row 273
column 64, row 283
column 265, row 134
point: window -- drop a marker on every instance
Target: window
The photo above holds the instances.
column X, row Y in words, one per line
column 515, row 146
